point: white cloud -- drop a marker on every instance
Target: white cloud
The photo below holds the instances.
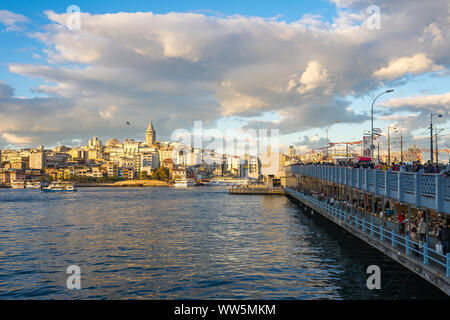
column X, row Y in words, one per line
column 434, row 33
column 314, row 76
column 416, row 64
column 108, row 112
column 413, row 113
column 179, row 67
column 5, row 91
column 15, row 139
column 12, row 21
column 429, row 102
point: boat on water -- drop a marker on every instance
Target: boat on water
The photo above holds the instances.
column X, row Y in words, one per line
column 228, row 182
column 184, row 183
column 33, row 184
column 17, row 184
column 59, row 187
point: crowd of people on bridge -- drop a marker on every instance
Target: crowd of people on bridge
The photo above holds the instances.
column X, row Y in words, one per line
column 415, row 166
column 438, row 227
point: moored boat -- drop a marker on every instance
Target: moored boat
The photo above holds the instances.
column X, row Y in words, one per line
column 184, row 183
column 33, row 184
column 59, row 187
column 17, row 184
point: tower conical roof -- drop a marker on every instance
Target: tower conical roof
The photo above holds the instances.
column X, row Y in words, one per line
column 150, row 126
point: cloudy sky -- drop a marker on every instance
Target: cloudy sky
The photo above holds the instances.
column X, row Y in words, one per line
column 298, row 66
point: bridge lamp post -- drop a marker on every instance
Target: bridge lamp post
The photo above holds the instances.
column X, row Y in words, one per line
column 371, row 143
column 431, row 133
column 389, row 144
column 328, row 142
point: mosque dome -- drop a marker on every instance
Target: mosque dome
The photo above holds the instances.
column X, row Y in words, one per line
column 112, row 143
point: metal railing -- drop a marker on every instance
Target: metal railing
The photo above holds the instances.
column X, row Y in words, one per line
column 421, row 190
column 348, row 215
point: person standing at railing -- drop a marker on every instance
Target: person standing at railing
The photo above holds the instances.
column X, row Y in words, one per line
column 446, row 171
column 445, row 239
column 422, row 229
column 413, row 236
column 403, row 167
column 439, row 245
column 401, row 220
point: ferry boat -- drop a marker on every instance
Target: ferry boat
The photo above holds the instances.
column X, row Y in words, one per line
column 33, row 185
column 17, row 184
column 184, row 183
column 59, row 187
column 228, row 182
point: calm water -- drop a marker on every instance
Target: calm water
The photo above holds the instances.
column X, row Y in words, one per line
column 200, row 243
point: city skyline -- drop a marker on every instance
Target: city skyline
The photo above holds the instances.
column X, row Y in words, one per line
column 58, row 87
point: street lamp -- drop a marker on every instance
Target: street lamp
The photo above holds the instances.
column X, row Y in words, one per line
column 371, row 143
column 337, row 121
column 431, row 135
column 389, row 144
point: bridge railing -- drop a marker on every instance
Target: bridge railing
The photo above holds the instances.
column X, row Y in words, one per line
column 422, row 253
column 421, row 190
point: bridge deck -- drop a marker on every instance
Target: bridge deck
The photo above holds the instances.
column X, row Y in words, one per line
column 430, row 191
column 424, row 261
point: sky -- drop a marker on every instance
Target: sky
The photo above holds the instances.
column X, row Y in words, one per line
column 296, row 66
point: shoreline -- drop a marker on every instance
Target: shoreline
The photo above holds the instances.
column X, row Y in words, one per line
column 122, row 184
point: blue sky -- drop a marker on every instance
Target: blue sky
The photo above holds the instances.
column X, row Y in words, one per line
column 17, row 47
column 237, row 96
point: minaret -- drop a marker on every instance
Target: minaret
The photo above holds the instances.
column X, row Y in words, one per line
column 150, row 134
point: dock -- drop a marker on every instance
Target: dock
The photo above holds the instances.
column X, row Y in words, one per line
column 256, row 190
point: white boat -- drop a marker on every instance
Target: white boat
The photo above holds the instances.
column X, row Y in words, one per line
column 33, row 185
column 228, row 182
column 59, row 187
column 17, row 184
column 184, row 183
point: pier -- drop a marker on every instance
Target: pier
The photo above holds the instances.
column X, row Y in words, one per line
column 256, row 190
column 367, row 202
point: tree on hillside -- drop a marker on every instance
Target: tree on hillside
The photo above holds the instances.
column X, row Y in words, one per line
column 143, row 175
column 161, row 174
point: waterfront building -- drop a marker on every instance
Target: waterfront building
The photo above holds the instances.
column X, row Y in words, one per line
column 149, row 162
column 168, row 163
column 252, row 166
column 52, row 173
column 177, row 173
column 94, row 143
column 18, row 162
column 112, row 170
column 96, row 172
column 126, row 173
column 63, row 174
column 291, row 151
column 112, row 143
column 165, row 153
column 17, row 175
column 272, row 163
column 56, row 160
column 95, row 154
column 61, row 149
column 37, row 160
column 131, row 147
column 5, row 177
column 413, row 154
column 76, row 154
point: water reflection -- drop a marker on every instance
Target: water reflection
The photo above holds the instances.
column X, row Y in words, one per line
column 200, row 243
